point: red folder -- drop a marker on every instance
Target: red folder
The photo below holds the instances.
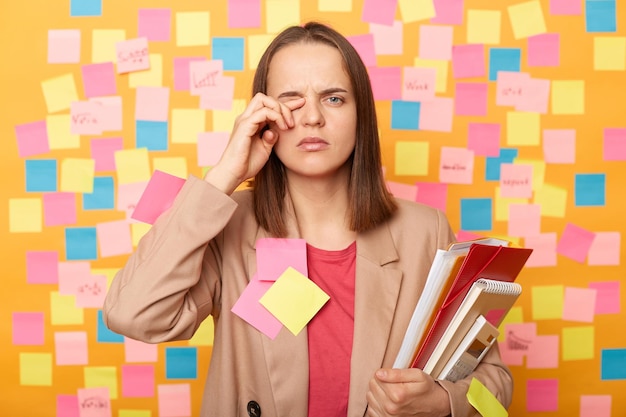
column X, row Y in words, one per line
column 500, row 263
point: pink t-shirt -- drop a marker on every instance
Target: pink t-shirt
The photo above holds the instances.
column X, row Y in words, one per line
column 330, row 331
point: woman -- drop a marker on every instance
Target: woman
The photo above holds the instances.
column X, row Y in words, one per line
column 309, row 139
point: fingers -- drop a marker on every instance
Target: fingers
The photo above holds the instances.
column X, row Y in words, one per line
column 400, row 375
column 276, row 111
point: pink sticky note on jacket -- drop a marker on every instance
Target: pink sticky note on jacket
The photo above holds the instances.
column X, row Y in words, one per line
column 158, row 196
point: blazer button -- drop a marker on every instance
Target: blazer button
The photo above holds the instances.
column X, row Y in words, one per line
column 254, row 409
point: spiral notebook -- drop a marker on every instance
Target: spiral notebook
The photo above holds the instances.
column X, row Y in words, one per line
column 489, row 298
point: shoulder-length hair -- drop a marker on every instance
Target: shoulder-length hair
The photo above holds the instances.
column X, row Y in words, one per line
column 370, row 203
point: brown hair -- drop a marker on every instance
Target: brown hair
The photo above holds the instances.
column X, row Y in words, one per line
column 370, row 203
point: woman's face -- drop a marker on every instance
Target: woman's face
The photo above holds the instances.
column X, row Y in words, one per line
column 324, row 134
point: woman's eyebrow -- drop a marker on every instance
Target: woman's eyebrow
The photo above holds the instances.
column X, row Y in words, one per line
column 332, row 90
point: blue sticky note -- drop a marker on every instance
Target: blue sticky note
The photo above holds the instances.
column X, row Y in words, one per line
column 230, row 51
column 405, row 115
column 504, row 59
column 493, row 163
column 590, row 190
column 103, row 195
column 80, row 243
column 104, row 334
column 151, row 135
column 41, row 175
column 601, row 16
column 613, row 364
column 181, row 362
column 85, row 7
column 476, row 214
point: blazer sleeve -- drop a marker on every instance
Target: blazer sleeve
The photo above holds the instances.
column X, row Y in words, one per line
column 171, row 281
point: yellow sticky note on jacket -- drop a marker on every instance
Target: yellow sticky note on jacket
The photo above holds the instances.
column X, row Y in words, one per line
column 484, row 401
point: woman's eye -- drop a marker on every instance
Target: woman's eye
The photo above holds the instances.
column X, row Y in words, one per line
column 335, row 100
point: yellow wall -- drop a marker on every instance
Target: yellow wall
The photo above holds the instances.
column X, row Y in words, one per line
column 23, row 46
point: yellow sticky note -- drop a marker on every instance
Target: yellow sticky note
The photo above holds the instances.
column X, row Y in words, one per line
column 412, row 158
column 527, row 19
column 103, row 44
column 578, row 343
column 224, row 120
column 101, row 376
column 257, row 44
column 35, row 369
column 568, row 97
column 25, row 215
column 609, row 53
column 280, row 14
column 152, row 77
column 77, row 175
column 176, row 166
column 416, row 10
column 205, row 333
column 192, row 28
column 334, row 5
column 133, row 165
column 484, row 401
column 134, row 413
column 109, row 272
column 539, row 171
column 186, row 124
column 483, row 26
column 515, row 315
column 59, row 133
column 137, row 231
column 59, row 92
column 63, row 309
column 523, row 128
column 441, row 71
column 552, row 199
column 294, row 299
column 547, row 302
column 501, row 205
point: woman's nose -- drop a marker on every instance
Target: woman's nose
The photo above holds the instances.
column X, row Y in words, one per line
column 311, row 114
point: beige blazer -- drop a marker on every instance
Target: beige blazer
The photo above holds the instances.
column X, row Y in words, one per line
column 199, row 256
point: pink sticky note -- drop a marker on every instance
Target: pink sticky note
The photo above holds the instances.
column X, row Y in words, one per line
column 138, row 381
column 379, row 11
column 252, row 311
column 386, row 82
column 419, row 84
column 484, row 139
column 110, row 113
column 518, row 339
column 524, row 220
column 471, row 99
column 456, row 165
column 544, row 250
column 158, row 196
column 132, row 55
column 575, row 242
column 94, row 402
column 509, row 87
column 211, row 146
column 219, row 96
column 63, row 46
column 71, row 348
column 67, row 406
column 516, row 180
column 128, row 196
column 90, row 291
column 274, row 256
column 559, row 146
column 435, row 42
column 99, row 79
column 543, row 353
column 42, row 267
column 32, row 139
column 154, row 24
column 71, row 274
column 436, row 115
column 579, row 304
column 607, row 297
column 85, row 118
column 595, row 406
column 463, row 236
column 103, row 152
column 544, row 50
column 434, row 194
column 28, row 328
column 605, row 249
column 114, row 238
column 152, row 103
column 535, row 96
column 59, row 209
column 400, row 190
column 244, row 13
column 615, row 144
column 137, row 351
column 468, row 61
column 542, row 394
column 174, row 400
column 448, row 12
column 364, row 45
column 203, row 75
column 566, row 7
column 388, row 40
